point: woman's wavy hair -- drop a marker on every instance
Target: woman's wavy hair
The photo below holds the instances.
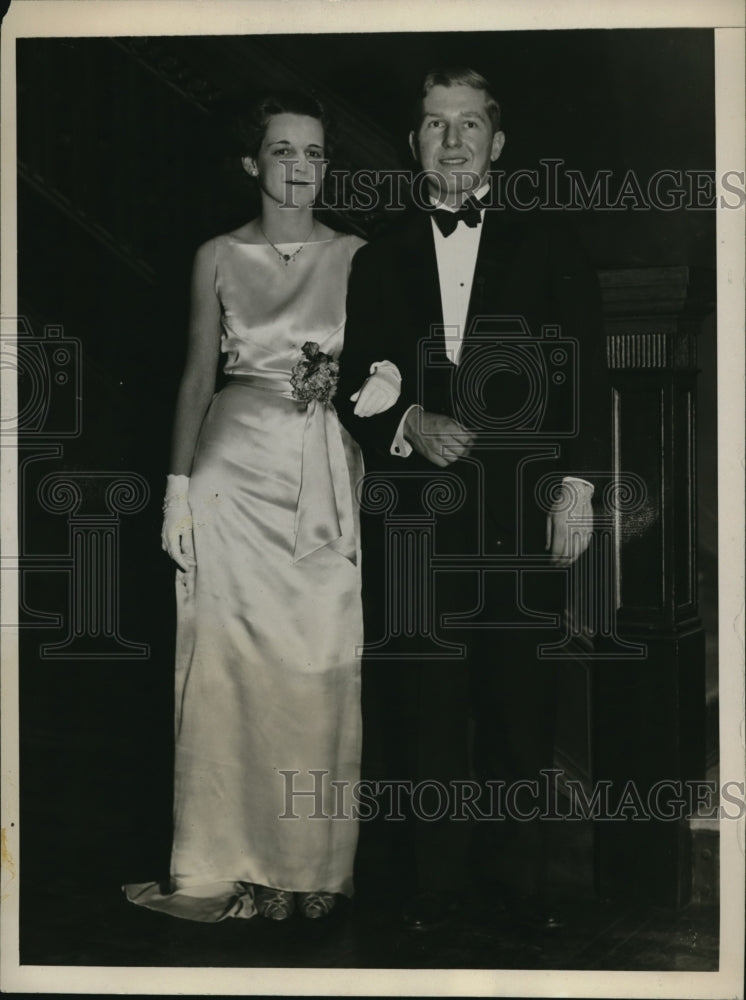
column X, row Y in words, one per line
column 250, row 121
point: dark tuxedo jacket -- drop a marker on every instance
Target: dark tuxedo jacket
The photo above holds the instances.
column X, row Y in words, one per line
column 531, row 382
column 532, row 377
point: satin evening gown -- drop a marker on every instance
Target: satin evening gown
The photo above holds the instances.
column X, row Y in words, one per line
column 269, row 624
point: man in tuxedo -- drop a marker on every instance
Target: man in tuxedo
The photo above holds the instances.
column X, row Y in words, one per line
column 492, row 317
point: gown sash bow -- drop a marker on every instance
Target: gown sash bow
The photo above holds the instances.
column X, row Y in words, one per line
column 325, row 513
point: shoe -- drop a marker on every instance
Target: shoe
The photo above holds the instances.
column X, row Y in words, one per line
column 424, row 911
column 274, row 904
column 315, row 904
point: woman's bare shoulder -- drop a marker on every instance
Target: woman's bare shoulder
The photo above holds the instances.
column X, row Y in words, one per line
column 247, row 233
column 324, row 233
column 206, row 254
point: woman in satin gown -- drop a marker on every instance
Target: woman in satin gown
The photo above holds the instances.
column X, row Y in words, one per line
column 260, row 517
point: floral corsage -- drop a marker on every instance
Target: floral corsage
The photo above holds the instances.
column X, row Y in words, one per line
column 315, row 376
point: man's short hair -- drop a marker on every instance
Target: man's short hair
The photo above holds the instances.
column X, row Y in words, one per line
column 455, row 77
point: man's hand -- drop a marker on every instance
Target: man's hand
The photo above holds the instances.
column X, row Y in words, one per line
column 438, row 438
column 570, row 523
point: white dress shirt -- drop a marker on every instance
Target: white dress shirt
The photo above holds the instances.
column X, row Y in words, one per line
column 456, row 257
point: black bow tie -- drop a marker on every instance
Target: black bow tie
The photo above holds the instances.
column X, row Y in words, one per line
column 468, row 213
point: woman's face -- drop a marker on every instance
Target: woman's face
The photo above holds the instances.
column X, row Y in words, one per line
column 290, row 163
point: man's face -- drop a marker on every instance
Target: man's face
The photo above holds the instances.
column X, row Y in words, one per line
column 455, row 142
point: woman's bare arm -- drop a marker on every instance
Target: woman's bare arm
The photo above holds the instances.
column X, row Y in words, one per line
column 198, row 381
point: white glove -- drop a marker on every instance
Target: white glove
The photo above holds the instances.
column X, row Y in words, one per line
column 570, row 522
column 379, row 391
column 176, row 535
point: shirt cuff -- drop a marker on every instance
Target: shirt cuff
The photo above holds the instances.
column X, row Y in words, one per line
column 400, row 446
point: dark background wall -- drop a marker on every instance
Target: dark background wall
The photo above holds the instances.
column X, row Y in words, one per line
column 122, row 172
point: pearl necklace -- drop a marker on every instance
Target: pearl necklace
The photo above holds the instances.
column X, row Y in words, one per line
column 287, row 257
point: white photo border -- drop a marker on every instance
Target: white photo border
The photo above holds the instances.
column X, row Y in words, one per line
column 53, row 18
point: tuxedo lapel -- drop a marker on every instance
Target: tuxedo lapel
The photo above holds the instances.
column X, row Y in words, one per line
column 421, row 266
column 419, row 269
column 496, row 252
